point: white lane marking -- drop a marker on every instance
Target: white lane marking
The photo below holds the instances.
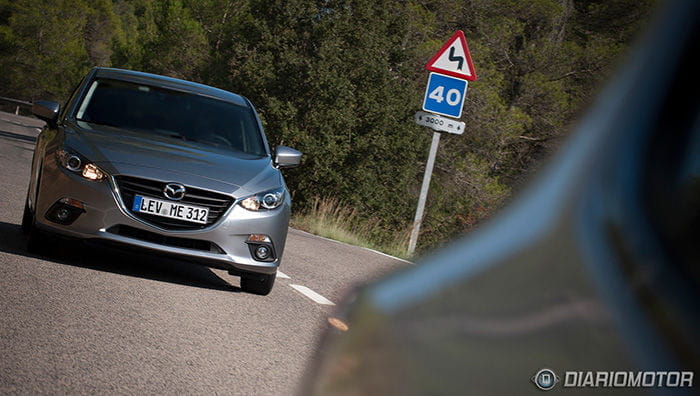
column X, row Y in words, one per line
column 282, row 275
column 317, row 298
column 361, row 247
column 388, row 255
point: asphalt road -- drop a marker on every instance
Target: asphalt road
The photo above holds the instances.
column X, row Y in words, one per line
column 89, row 320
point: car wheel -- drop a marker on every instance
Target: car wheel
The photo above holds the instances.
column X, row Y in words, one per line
column 259, row 284
column 38, row 242
column 27, row 218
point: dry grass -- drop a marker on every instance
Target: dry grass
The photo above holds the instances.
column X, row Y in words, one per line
column 329, row 218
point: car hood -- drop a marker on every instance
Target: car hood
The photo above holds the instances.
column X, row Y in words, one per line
column 124, row 152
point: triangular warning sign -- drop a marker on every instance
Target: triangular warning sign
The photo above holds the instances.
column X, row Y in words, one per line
column 453, row 59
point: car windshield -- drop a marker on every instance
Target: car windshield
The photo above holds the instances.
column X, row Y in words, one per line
column 179, row 115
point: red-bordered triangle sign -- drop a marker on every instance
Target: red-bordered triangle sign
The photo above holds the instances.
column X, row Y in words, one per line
column 453, row 59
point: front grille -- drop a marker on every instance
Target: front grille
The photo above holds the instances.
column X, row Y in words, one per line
column 147, row 236
column 216, row 203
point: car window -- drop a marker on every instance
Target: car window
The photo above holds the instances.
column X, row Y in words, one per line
column 176, row 114
column 72, row 98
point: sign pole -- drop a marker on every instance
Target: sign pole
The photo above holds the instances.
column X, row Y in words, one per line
column 423, row 193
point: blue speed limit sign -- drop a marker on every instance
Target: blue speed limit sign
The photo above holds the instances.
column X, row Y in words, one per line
column 444, row 95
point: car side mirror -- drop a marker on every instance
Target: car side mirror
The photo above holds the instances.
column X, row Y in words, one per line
column 46, row 110
column 287, row 157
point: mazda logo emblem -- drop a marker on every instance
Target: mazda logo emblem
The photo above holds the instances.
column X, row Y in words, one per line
column 174, row 191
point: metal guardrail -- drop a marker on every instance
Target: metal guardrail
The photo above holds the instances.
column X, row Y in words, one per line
column 16, row 102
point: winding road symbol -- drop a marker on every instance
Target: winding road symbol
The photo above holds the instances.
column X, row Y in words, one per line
column 454, row 58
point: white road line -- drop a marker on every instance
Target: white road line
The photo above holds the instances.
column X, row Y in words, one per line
column 282, row 275
column 317, row 298
column 388, row 255
column 361, row 247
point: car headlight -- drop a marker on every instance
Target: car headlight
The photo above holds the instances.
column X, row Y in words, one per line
column 266, row 200
column 76, row 163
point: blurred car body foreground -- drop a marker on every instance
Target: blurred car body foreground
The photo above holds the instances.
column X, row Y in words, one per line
column 594, row 267
column 163, row 165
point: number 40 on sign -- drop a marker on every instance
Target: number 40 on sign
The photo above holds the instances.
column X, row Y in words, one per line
column 444, row 95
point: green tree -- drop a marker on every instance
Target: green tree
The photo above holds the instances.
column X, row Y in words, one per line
column 43, row 44
column 160, row 37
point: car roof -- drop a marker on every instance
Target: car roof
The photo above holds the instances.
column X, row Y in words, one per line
column 171, row 83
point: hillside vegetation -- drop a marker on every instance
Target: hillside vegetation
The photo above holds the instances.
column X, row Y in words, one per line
column 340, row 80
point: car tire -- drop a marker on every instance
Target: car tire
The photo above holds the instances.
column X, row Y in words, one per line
column 27, row 218
column 38, row 242
column 259, row 284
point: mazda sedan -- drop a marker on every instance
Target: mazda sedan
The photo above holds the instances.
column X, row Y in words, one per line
column 165, row 165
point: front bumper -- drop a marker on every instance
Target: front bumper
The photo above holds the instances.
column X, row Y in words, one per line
column 105, row 218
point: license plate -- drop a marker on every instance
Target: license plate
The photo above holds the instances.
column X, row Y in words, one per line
column 173, row 210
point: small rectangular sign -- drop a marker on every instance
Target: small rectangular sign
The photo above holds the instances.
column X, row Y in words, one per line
column 439, row 123
column 444, row 95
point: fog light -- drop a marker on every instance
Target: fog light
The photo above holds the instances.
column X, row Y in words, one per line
column 261, row 248
column 262, row 252
column 63, row 213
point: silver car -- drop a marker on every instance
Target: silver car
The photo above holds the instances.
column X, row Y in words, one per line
column 165, row 165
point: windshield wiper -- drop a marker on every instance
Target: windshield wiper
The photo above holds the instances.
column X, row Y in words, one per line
column 104, row 123
column 181, row 137
column 174, row 135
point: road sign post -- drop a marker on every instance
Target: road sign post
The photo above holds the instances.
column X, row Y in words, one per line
column 451, row 67
column 423, row 193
